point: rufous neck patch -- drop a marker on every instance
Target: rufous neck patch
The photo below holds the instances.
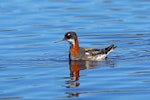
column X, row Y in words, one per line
column 75, row 49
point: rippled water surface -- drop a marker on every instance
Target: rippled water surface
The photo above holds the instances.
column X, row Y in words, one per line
column 33, row 67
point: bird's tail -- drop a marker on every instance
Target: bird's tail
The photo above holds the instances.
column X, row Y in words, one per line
column 110, row 48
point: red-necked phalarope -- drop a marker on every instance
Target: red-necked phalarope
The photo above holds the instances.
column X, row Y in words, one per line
column 90, row 54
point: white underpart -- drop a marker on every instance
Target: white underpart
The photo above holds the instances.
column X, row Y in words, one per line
column 99, row 57
column 72, row 41
column 96, row 57
column 103, row 56
column 87, row 53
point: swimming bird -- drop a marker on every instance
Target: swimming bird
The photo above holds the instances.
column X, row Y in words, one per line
column 79, row 53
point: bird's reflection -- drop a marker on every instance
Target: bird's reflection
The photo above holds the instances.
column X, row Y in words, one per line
column 76, row 66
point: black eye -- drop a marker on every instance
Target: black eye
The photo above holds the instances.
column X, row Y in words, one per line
column 68, row 36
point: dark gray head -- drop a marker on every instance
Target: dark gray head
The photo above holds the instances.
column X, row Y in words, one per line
column 71, row 37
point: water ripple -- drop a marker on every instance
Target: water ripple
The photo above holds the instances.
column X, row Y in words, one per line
column 33, row 67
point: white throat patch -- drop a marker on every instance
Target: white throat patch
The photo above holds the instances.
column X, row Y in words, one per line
column 72, row 41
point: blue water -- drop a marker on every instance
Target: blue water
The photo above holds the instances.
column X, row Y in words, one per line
column 33, row 67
